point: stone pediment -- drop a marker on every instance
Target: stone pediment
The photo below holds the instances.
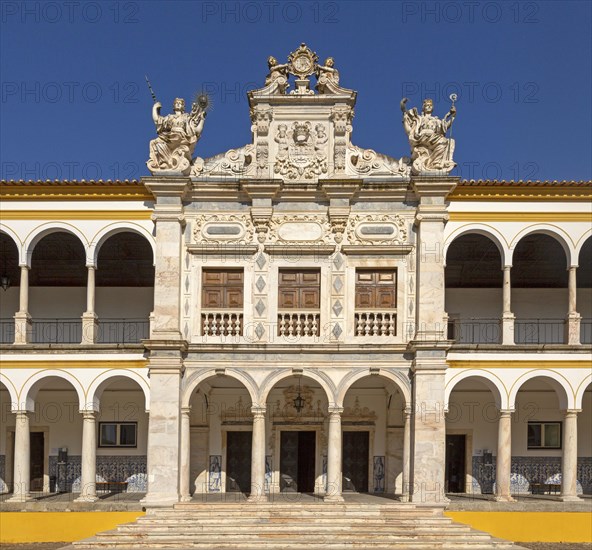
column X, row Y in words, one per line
column 301, row 130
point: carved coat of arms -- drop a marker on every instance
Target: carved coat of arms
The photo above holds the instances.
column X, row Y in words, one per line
column 301, row 150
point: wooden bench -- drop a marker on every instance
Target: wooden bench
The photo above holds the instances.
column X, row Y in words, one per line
column 545, row 488
column 112, row 486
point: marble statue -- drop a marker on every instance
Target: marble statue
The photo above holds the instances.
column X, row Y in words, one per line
column 178, row 134
column 326, row 75
column 431, row 150
column 278, row 73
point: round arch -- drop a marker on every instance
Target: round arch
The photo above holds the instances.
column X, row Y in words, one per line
column 30, row 388
column 556, row 380
column 113, row 229
column 12, row 392
column 488, row 378
column 99, row 384
column 272, row 379
column 203, row 374
column 396, row 378
column 46, row 229
column 581, row 389
column 580, row 244
column 16, row 239
column 552, row 231
column 484, row 230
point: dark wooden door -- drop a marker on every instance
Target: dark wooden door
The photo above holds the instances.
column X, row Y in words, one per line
column 455, row 464
column 356, row 450
column 238, row 461
column 297, row 461
column 37, row 451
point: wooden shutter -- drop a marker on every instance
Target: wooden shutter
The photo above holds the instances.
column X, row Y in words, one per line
column 222, row 289
column 376, row 289
column 299, row 289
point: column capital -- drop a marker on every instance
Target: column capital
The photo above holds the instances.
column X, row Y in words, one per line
column 22, row 412
column 506, row 412
column 334, row 410
column 407, row 412
column 89, row 414
column 571, row 412
column 186, row 410
column 258, row 411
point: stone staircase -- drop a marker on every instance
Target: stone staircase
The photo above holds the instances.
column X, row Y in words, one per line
column 285, row 526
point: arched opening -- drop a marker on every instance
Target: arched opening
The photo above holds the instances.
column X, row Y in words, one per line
column 584, row 291
column 220, row 437
column 373, row 434
column 296, row 442
column 473, row 299
column 539, row 290
column 5, row 411
column 124, row 288
column 585, row 442
column 538, row 436
column 10, row 283
column 472, row 436
column 57, row 293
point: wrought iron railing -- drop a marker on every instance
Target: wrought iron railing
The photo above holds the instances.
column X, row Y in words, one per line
column 539, row 331
column 6, row 331
column 123, row 331
column 586, row 331
column 222, row 323
column 299, row 323
column 475, row 331
column 56, row 331
column 375, row 323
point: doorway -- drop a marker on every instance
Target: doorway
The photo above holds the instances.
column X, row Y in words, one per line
column 238, row 461
column 297, row 461
column 455, row 473
column 355, row 457
column 37, row 453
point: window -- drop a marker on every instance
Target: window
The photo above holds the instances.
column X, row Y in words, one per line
column 376, row 302
column 118, row 434
column 299, row 289
column 544, row 435
column 222, row 289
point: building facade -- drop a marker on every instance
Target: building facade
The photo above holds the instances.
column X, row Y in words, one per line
column 297, row 315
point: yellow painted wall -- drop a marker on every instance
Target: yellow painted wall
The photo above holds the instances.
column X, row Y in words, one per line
column 59, row 526
column 530, row 526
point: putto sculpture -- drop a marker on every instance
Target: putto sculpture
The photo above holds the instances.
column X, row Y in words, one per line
column 178, row 133
column 431, row 150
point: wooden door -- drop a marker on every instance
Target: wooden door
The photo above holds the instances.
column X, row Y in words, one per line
column 37, row 454
column 455, row 464
column 356, row 450
column 238, row 461
column 297, row 461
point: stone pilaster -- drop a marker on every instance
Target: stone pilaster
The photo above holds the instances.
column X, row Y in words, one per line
column 569, row 459
column 88, row 478
column 428, row 426
column 507, row 316
column 406, row 454
column 503, row 460
column 185, row 466
column 258, row 456
column 334, row 443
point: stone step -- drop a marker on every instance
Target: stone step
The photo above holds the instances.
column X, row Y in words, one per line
column 246, row 522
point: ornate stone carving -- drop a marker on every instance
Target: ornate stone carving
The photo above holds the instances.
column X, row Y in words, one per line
column 358, row 413
column 381, row 229
column 227, row 228
column 301, row 152
column 278, row 75
column 327, row 77
column 178, row 134
column 300, row 228
column 431, row 150
column 235, row 162
column 311, row 410
column 368, row 162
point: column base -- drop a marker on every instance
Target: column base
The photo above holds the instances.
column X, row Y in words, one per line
column 90, row 328
column 23, row 328
column 508, row 329
column 569, row 498
column 333, row 498
column 257, row 498
column 572, row 329
column 185, row 498
column 504, row 498
column 159, row 501
column 20, row 498
column 86, row 499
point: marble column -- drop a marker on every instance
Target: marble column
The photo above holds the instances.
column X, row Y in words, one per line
column 22, row 458
column 88, row 478
column 406, row 454
column 22, row 320
column 90, row 322
column 503, row 459
column 185, row 467
column 572, row 323
column 258, row 456
column 334, row 456
column 569, row 459
column 508, row 317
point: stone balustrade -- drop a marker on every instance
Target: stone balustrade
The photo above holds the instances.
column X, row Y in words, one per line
column 222, row 323
column 375, row 323
column 299, row 323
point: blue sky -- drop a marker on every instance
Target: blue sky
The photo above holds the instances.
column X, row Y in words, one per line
column 74, row 101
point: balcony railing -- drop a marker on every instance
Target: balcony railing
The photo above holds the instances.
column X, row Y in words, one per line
column 539, row 331
column 6, row 331
column 123, row 331
column 376, row 323
column 475, row 331
column 299, row 323
column 56, row 331
column 222, row 323
column 586, row 331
